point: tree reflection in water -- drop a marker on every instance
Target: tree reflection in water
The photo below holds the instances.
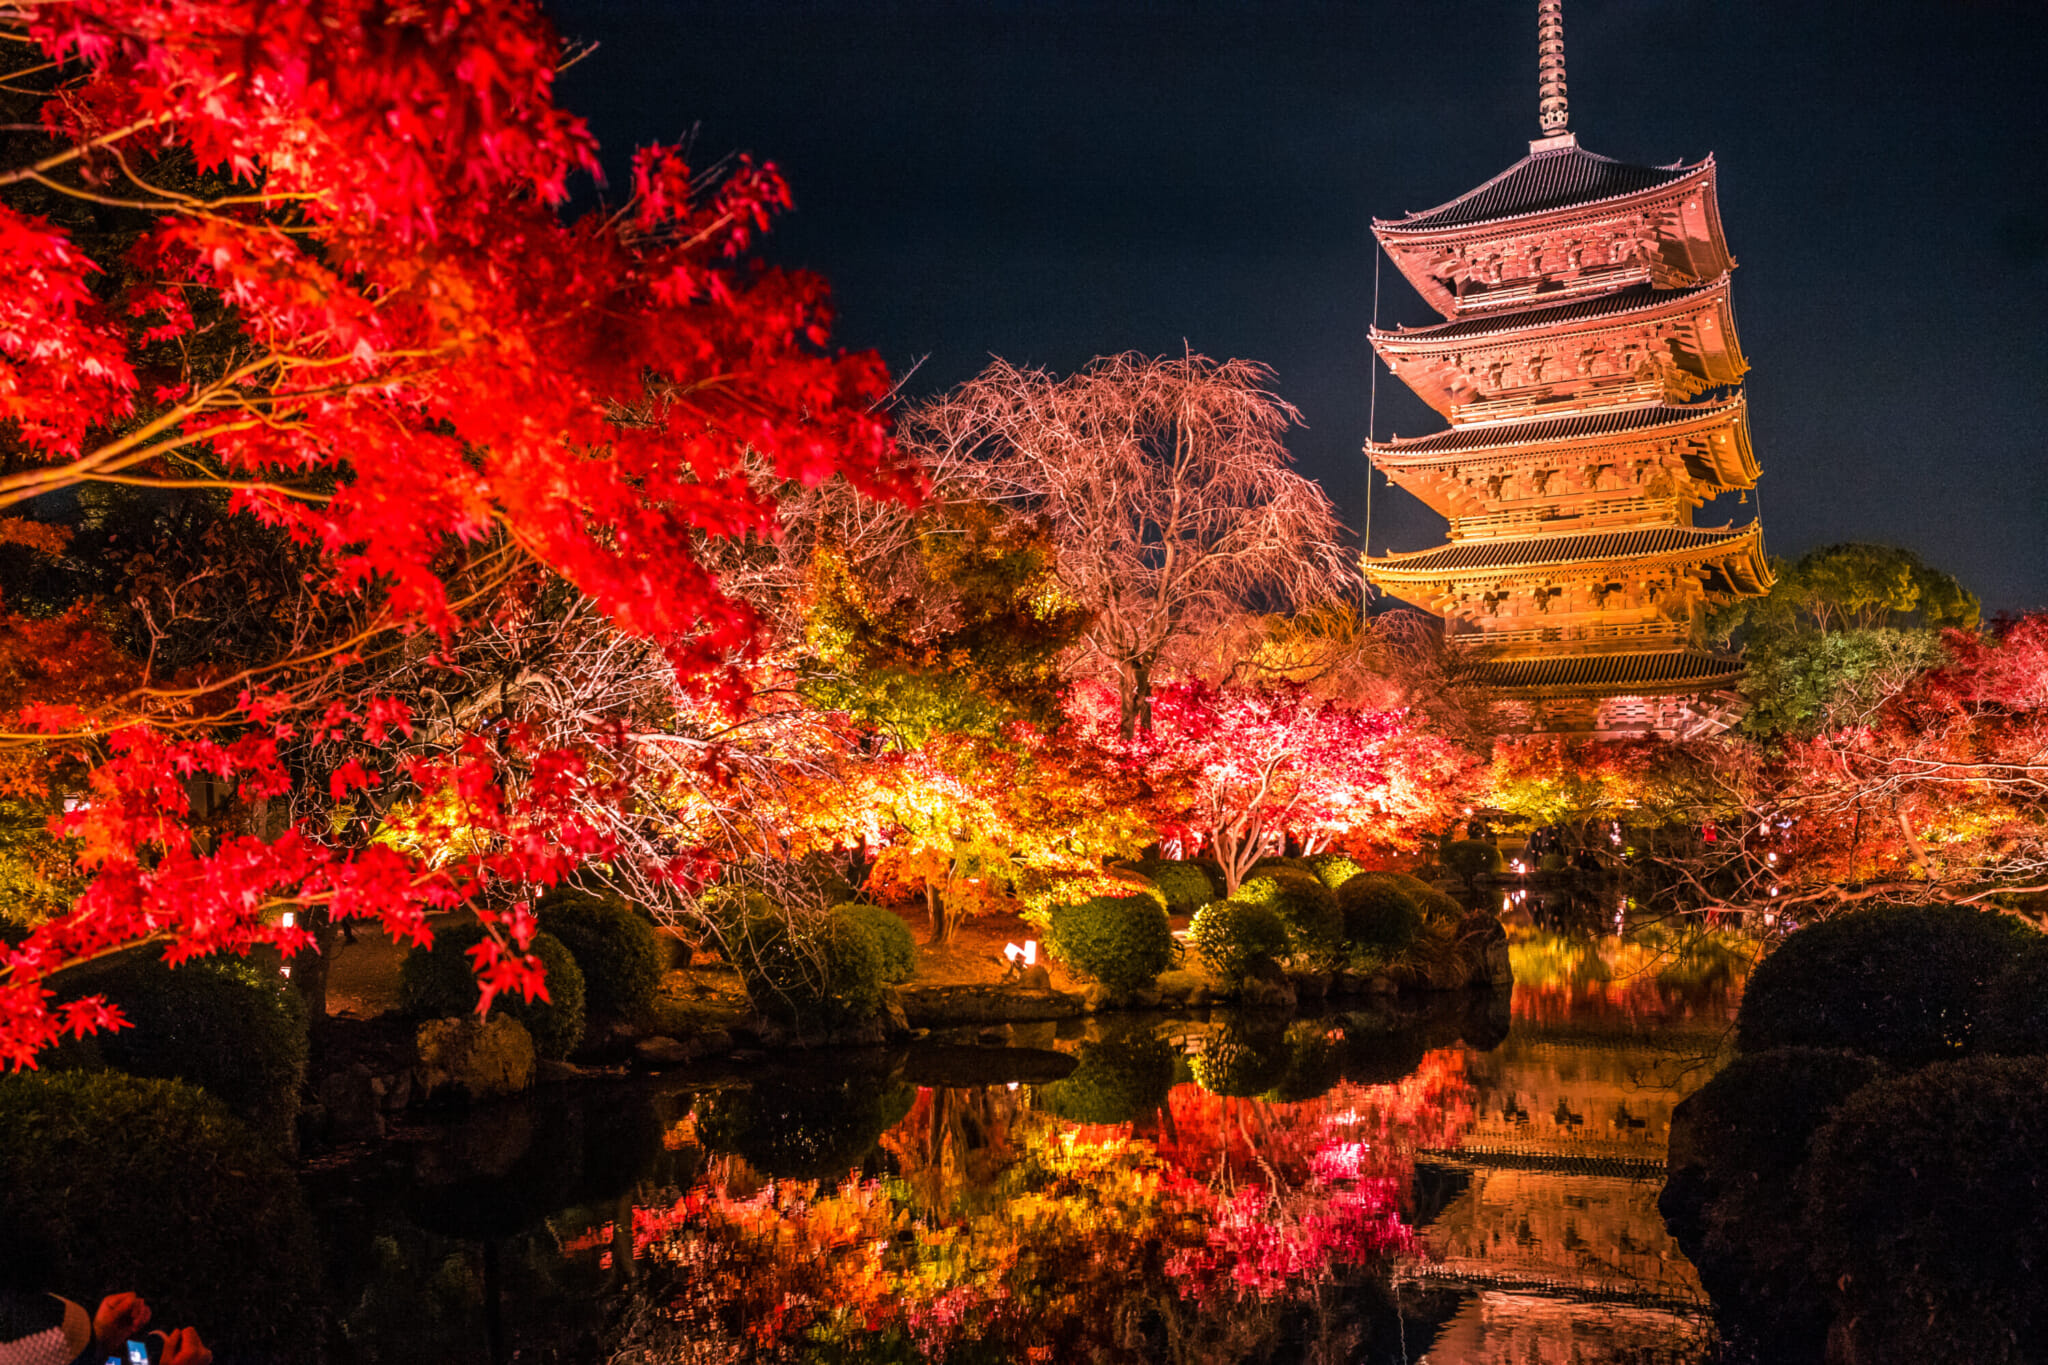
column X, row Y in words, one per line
column 987, row 1226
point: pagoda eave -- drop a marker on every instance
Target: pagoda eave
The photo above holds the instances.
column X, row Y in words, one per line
column 1736, row 555
column 1666, row 673
column 1712, row 439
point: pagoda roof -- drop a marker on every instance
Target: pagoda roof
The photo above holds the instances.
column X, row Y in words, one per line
column 1582, row 674
column 1615, row 303
column 1568, row 177
column 1647, row 419
column 1646, row 542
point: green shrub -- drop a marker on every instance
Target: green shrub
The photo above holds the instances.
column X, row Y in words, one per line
column 1472, row 859
column 812, row 1128
column 1121, row 941
column 1901, row 983
column 1186, row 886
column 1925, row 1209
column 1117, row 1080
column 1553, row 862
column 1239, row 1062
column 125, row 1183
column 1334, row 869
column 1274, row 864
column 1379, row 915
column 1315, row 1062
column 2016, row 1013
column 1433, row 904
column 440, row 981
column 1315, row 927
column 226, row 1025
column 1738, row 1148
column 892, row 936
column 615, row 948
column 826, row 971
column 1235, row 937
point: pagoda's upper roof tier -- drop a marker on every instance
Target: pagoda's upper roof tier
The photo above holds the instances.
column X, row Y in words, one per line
column 1544, row 182
column 1560, row 222
column 1664, row 672
column 1650, row 421
column 1610, row 350
column 1735, row 552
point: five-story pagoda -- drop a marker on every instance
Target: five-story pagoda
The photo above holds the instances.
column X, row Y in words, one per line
column 1590, row 373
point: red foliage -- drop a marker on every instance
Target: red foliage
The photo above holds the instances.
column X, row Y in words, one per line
column 425, row 354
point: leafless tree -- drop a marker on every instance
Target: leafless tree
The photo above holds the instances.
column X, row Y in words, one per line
column 1173, row 501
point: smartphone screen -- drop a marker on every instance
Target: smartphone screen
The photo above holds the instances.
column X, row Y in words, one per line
column 138, row 1353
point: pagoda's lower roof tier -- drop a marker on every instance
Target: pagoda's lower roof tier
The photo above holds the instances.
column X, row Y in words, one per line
column 1478, row 558
column 1586, row 355
column 1665, row 673
column 1648, row 421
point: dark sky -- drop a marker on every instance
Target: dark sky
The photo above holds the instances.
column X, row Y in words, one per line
column 1051, row 182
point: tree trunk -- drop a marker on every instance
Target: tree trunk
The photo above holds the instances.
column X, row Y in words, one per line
column 935, row 907
column 309, row 968
column 1134, row 693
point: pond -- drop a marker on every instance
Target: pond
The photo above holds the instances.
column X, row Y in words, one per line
column 1448, row 1180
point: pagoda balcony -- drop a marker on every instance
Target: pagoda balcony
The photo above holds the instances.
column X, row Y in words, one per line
column 1541, row 516
column 1481, row 297
column 1585, row 638
column 1557, row 400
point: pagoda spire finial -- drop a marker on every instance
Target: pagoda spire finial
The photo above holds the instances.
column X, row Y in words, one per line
column 1553, row 110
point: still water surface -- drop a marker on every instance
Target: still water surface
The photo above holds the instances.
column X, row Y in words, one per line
column 1453, row 1181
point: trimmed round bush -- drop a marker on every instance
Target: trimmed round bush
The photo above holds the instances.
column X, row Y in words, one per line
column 1186, row 886
column 1235, row 937
column 1739, row 1146
column 892, row 936
column 1553, row 862
column 1333, row 869
column 813, row 1128
column 440, row 982
column 114, row 1183
column 827, row 971
column 1122, row 941
column 1240, row 1063
column 1379, row 914
column 615, row 948
column 1277, row 864
column 1472, row 859
column 1315, row 1062
column 1117, row 1080
column 1906, row 984
column 226, row 1025
column 1315, row 927
column 2016, row 1014
column 1433, row 904
column 1924, row 1203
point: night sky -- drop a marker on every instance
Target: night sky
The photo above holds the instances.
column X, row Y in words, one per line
column 1051, row 182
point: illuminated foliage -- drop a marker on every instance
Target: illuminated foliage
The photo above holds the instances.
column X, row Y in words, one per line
column 346, row 301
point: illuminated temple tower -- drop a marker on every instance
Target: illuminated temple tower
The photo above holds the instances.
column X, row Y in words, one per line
column 1589, row 370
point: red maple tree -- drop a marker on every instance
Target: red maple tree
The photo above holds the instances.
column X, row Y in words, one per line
column 353, row 304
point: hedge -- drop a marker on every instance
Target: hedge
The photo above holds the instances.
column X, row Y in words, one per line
column 1925, row 1197
column 1379, row 915
column 1472, row 859
column 892, row 938
column 120, row 1183
column 440, row 981
column 2016, row 1011
column 826, row 971
column 1122, row 941
column 1235, row 937
column 1186, row 886
column 226, row 1025
column 1315, row 927
column 615, row 948
column 1906, row 984
column 1117, row 1080
column 1333, row 869
column 1738, row 1148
